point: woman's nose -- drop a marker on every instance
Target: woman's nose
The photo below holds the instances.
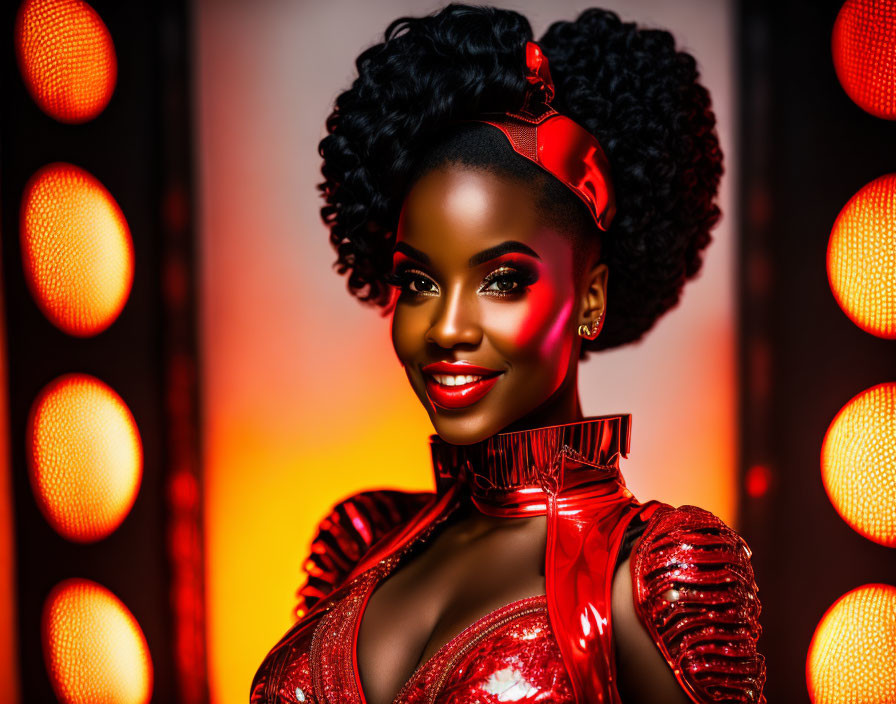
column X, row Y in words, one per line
column 456, row 322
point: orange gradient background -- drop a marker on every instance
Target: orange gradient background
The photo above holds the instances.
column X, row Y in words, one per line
column 303, row 399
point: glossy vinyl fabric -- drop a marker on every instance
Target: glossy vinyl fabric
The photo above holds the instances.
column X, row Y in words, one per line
column 693, row 584
column 556, row 143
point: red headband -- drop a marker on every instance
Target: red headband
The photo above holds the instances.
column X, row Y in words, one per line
column 556, row 143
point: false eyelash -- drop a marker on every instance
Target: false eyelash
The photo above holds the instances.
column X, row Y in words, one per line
column 394, row 278
column 401, row 278
column 523, row 277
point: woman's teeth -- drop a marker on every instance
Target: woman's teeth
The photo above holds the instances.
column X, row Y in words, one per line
column 451, row 380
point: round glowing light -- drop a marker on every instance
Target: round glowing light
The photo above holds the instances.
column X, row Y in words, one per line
column 853, row 649
column 85, row 457
column 76, row 249
column 94, row 649
column 861, row 258
column 863, row 46
column 66, row 58
column 858, row 463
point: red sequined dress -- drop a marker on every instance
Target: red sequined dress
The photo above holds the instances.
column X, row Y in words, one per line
column 692, row 580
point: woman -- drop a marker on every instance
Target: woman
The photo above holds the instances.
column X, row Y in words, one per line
column 516, row 205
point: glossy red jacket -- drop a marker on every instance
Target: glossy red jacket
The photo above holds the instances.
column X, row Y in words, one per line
column 693, row 583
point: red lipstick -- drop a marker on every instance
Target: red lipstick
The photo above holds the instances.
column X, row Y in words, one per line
column 457, row 395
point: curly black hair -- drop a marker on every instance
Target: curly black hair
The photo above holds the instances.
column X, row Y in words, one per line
column 627, row 85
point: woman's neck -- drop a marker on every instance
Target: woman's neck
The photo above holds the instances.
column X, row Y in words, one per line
column 563, row 406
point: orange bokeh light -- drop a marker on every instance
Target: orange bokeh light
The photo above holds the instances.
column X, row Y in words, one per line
column 85, row 457
column 76, row 249
column 853, row 649
column 94, row 649
column 66, row 58
column 861, row 258
column 858, row 463
column 863, row 46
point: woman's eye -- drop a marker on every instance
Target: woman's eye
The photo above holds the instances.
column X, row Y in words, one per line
column 412, row 281
column 499, row 283
column 507, row 281
column 420, row 284
column 503, row 284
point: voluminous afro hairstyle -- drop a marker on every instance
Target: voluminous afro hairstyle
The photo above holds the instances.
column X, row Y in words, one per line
column 628, row 86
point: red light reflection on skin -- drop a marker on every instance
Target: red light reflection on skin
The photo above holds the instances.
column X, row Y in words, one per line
column 536, row 320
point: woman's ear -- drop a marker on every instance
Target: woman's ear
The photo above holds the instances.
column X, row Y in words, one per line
column 594, row 295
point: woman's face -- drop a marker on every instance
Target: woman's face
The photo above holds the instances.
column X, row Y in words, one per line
column 486, row 320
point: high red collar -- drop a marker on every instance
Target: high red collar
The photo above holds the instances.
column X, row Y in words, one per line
column 514, row 474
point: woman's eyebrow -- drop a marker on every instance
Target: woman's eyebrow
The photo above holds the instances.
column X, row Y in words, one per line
column 477, row 259
column 499, row 249
column 413, row 252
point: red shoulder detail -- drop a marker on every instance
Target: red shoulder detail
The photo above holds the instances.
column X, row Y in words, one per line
column 696, row 595
column 347, row 533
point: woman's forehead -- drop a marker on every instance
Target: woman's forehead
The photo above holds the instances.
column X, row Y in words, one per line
column 466, row 209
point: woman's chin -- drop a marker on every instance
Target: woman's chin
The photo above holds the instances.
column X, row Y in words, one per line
column 462, row 428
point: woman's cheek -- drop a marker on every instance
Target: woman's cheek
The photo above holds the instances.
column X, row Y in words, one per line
column 534, row 322
column 406, row 338
column 556, row 341
column 535, row 331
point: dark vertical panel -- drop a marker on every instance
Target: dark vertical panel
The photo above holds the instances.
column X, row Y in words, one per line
column 139, row 148
column 184, row 494
column 806, row 149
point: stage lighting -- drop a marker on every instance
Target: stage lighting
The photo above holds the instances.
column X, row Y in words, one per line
column 85, row 457
column 861, row 258
column 94, row 647
column 853, row 649
column 863, row 46
column 858, row 463
column 76, row 249
column 66, row 58
column 99, row 312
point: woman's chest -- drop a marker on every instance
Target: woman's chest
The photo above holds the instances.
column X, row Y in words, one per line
column 435, row 595
column 510, row 654
column 319, row 660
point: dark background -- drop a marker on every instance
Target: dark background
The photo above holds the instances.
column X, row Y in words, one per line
column 805, row 149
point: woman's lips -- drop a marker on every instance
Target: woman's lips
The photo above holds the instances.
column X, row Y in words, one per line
column 456, row 384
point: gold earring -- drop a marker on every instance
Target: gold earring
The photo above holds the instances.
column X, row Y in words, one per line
column 592, row 331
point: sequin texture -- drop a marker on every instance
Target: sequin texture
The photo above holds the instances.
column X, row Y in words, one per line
column 696, row 594
column 509, row 655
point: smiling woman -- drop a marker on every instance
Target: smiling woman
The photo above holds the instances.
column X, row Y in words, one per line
column 482, row 282
column 511, row 225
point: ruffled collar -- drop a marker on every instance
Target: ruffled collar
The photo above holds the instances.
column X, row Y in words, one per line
column 517, row 473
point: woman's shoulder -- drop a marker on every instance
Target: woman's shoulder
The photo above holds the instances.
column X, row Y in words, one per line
column 698, row 547
column 694, row 593
column 345, row 534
